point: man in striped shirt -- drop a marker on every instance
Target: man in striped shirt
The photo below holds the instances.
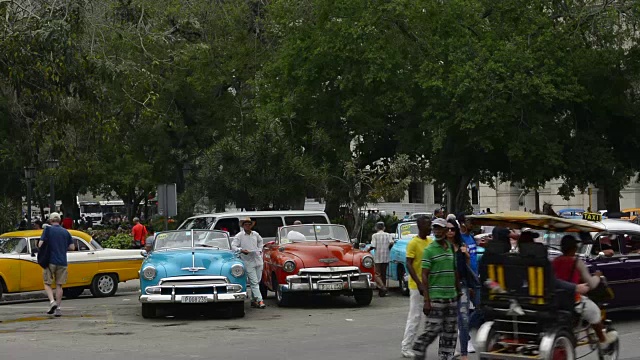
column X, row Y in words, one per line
column 440, row 278
column 381, row 241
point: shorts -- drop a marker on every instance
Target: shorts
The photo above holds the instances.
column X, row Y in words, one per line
column 57, row 271
column 590, row 311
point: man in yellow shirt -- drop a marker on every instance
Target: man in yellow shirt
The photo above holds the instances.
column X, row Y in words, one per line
column 415, row 248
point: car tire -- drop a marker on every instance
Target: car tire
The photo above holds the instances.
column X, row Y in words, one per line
column 104, row 285
column 363, row 297
column 237, row 309
column 282, row 299
column 149, row 311
column 404, row 285
column 2, row 287
column 73, row 292
column 264, row 291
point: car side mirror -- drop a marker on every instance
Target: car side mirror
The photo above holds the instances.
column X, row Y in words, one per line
column 395, row 236
column 144, row 253
column 600, row 255
column 361, row 246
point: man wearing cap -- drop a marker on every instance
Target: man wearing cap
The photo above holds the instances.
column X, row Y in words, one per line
column 440, row 278
column 381, row 242
column 58, row 241
column 250, row 244
column 139, row 233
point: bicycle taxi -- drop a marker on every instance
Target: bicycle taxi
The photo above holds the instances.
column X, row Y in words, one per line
column 526, row 317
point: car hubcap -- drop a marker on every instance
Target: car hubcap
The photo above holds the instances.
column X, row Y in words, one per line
column 105, row 284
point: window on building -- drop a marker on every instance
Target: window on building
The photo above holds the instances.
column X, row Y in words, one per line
column 416, row 193
column 438, row 194
column 475, row 193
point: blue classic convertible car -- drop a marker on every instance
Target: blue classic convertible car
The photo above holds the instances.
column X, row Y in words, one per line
column 191, row 267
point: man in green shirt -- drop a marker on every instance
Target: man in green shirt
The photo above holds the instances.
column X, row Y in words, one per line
column 440, row 278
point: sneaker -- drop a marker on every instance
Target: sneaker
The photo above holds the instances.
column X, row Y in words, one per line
column 382, row 293
column 57, row 313
column 261, row 305
column 610, row 337
column 52, row 307
column 254, row 304
column 470, row 348
column 408, row 354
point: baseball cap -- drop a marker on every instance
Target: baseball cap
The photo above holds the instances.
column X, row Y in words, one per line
column 439, row 222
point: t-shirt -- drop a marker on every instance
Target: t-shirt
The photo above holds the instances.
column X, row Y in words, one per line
column 442, row 271
column 473, row 251
column 415, row 249
column 381, row 241
column 139, row 233
column 58, row 240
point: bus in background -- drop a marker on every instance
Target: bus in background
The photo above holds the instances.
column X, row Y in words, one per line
column 91, row 209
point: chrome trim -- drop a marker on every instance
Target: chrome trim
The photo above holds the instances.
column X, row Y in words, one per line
column 192, row 278
column 329, row 269
column 546, row 345
column 211, row 298
column 502, row 356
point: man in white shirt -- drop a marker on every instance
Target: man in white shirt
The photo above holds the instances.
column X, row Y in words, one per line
column 381, row 241
column 250, row 244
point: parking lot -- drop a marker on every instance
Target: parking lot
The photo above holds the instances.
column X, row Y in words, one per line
column 324, row 328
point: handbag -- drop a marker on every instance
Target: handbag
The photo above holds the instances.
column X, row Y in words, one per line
column 602, row 293
column 44, row 253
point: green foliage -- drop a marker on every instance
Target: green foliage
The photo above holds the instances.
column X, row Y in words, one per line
column 119, row 241
column 102, row 235
column 368, row 227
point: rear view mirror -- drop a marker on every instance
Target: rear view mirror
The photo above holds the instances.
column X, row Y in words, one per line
column 144, row 253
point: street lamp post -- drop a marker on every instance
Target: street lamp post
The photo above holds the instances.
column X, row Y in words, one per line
column 186, row 170
column 52, row 164
column 29, row 174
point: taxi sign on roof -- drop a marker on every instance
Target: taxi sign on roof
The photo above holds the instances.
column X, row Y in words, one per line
column 592, row 216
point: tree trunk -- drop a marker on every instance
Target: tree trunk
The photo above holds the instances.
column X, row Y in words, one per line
column 298, row 203
column 537, row 197
column 612, row 199
column 460, row 192
column 332, row 209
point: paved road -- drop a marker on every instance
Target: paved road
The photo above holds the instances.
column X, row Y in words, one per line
column 328, row 328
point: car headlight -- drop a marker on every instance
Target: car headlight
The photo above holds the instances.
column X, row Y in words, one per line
column 237, row 270
column 149, row 272
column 289, row 266
column 367, row 262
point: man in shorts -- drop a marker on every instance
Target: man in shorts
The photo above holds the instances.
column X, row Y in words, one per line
column 58, row 241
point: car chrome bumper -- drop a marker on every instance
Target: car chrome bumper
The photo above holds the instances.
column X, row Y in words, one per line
column 177, row 299
column 173, row 290
column 302, row 283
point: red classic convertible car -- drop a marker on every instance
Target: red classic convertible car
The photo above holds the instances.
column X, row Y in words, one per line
column 316, row 258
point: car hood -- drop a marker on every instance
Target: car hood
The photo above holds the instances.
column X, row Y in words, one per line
column 322, row 254
column 178, row 262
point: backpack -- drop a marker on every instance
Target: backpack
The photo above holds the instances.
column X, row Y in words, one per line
column 44, row 254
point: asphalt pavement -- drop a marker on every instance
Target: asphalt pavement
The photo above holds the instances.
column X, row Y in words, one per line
column 324, row 328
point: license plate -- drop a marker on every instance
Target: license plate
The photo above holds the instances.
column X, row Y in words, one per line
column 330, row 286
column 194, row 299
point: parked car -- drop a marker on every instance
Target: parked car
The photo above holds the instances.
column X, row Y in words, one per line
column 398, row 255
column 192, row 267
column 571, row 213
column 90, row 266
column 267, row 222
column 320, row 258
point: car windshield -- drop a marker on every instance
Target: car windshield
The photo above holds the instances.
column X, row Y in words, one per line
column 408, row 229
column 96, row 245
column 187, row 238
column 313, row 232
column 553, row 239
column 12, row 245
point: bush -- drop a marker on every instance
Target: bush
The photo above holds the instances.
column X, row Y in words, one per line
column 119, row 241
column 102, row 235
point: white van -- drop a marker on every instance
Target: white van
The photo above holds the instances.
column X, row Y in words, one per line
column 267, row 222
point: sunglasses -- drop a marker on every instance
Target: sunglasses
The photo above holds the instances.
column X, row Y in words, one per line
column 450, row 228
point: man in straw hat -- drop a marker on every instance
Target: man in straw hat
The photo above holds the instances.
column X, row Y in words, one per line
column 250, row 243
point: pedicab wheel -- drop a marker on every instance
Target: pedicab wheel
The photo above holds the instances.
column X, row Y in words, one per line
column 363, row 297
column 562, row 347
column 612, row 352
column 487, row 339
column 148, row 311
column 263, row 290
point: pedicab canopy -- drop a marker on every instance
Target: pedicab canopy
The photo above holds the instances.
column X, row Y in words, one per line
column 521, row 219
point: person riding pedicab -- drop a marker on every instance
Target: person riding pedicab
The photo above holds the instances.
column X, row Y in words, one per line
column 571, row 268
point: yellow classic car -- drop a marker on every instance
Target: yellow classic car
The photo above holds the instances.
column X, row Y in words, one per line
column 90, row 265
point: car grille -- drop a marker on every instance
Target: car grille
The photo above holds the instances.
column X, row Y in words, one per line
column 194, row 281
column 345, row 273
column 194, row 290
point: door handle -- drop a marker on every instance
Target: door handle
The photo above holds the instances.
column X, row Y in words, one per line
column 90, row 253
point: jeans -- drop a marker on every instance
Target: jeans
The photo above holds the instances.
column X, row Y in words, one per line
column 442, row 320
column 463, row 320
column 477, row 317
column 415, row 318
column 254, row 275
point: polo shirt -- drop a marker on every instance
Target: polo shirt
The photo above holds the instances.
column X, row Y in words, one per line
column 442, row 271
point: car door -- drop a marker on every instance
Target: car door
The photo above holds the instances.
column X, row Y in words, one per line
column 630, row 248
column 614, row 268
column 31, row 271
column 83, row 263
